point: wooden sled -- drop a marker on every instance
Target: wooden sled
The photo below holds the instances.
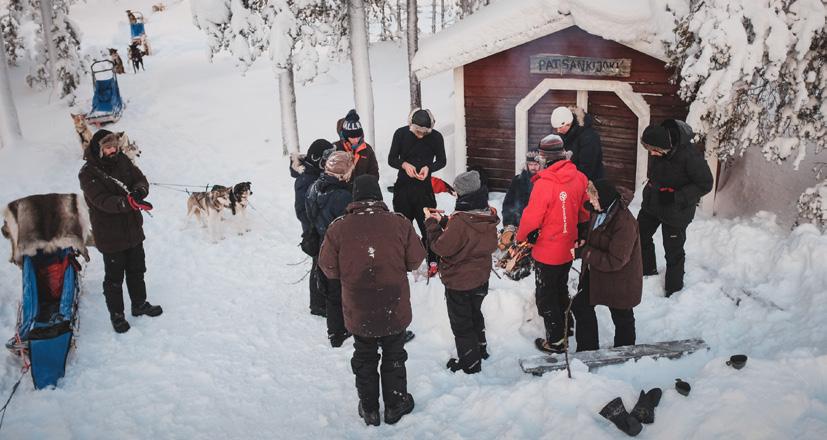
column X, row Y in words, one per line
column 538, row 365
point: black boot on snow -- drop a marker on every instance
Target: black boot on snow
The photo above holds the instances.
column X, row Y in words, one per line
column 119, row 323
column 616, row 413
column 484, row 351
column 408, row 336
column 371, row 418
column 405, row 406
column 336, row 340
column 547, row 347
column 147, row 309
column 644, row 410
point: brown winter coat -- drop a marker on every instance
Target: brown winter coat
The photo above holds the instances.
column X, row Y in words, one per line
column 370, row 250
column 612, row 253
column 465, row 247
column 364, row 158
column 115, row 225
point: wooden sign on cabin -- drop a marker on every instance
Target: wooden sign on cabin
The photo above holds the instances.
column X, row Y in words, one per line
column 567, row 65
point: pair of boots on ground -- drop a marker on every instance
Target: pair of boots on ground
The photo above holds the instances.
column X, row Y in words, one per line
column 392, row 415
column 121, row 325
column 643, row 412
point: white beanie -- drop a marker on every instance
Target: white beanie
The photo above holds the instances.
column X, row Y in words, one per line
column 560, row 117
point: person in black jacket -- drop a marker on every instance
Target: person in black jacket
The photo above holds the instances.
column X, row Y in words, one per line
column 678, row 178
column 326, row 200
column 417, row 151
column 115, row 189
column 516, row 198
column 581, row 139
column 306, row 169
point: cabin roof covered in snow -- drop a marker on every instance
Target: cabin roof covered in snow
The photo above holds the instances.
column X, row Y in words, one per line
column 643, row 25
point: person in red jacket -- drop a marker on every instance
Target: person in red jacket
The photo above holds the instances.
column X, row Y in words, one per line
column 555, row 208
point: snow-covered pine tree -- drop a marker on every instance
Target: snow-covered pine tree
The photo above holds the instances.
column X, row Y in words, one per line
column 10, row 28
column 57, row 61
column 756, row 76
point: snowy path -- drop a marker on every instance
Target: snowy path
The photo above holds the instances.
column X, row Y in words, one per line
column 236, row 355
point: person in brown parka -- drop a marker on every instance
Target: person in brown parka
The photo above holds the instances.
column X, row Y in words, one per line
column 612, row 272
column 370, row 250
column 465, row 241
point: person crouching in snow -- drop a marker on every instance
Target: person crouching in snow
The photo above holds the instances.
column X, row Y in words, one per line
column 327, row 199
column 555, row 208
column 370, row 250
column 612, row 272
column 306, row 169
column 117, row 224
column 352, row 140
column 465, row 241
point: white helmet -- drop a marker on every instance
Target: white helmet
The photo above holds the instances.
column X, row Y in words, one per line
column 561, row 116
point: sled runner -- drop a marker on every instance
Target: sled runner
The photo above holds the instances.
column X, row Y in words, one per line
column 107, row 105
column 47, row 233
column 538, row 365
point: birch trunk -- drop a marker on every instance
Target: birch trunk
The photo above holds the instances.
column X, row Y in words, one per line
column 413, row 43
column 360, row 62
column 10, row 131
column 289, row 120
column 48, row 39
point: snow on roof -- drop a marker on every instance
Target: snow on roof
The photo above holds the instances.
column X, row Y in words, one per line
column 644, row 25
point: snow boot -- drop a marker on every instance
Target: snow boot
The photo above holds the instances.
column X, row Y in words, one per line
column 644, row 410
column 336, row 340
column 616, row 413
column 147, row 309
column 408, row 336
column 119, row 323
column 484, row 351
column 454, row 366
column 405, row 406
column 547, row 347
column 319, row 312
column 371, row 418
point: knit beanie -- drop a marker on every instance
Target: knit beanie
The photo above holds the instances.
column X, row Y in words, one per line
column 339, row 165
column 316, row 151
column 366, row 187
column 606, row 192
column 551, row 147
column 467, row 183
column 533, row 155
column 656, row 136
column 351, row 127
column 422, row 118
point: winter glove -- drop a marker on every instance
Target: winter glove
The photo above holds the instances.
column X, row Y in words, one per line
column 138, row 204
column 666, row 195
column 507, row 237
column 139, row 193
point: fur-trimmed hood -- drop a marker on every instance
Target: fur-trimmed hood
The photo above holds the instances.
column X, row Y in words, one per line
column 418, row 129
column 47, row 222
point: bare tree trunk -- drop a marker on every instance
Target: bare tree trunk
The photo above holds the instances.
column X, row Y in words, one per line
column 433, row 16
column 48, row 39
column 9, row 122
column 413, row 45
column 360, row 62
column 289, row 120
column 442, row 14
column 399, row 17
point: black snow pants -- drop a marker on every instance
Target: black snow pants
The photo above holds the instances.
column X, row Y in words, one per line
column 393, row 373
column 552, row 296
column 409, row 200
column 674, row 238
column 586, row 332
column 131, row 263
column 317, row 294
column 468, row 325
column 332, row 290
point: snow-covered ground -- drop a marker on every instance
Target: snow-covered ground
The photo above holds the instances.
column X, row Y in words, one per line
column 237, row 355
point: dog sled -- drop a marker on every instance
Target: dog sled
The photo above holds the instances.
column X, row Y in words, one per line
column 107, row 105
column 137, row 29
column 47, row 234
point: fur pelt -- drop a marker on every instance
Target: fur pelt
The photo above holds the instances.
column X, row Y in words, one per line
column 47, row 222
column 418, row 130
column 580, row 115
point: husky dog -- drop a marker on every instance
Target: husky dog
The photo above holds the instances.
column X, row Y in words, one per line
column 239, row 199
column 82, row 129
column 116, row 59
column 127, row 147
column 159, row 7
column 207, row 207
column 136, row 55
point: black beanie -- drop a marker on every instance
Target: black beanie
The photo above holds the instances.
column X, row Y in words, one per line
column 656, row 136
column 366, row 187
column 351, row 127
column 606, row 192
column 95, row 142
column 422, row 119
column 316, row 150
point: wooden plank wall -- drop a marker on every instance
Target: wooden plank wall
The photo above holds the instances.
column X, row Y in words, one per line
column 494, row 85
